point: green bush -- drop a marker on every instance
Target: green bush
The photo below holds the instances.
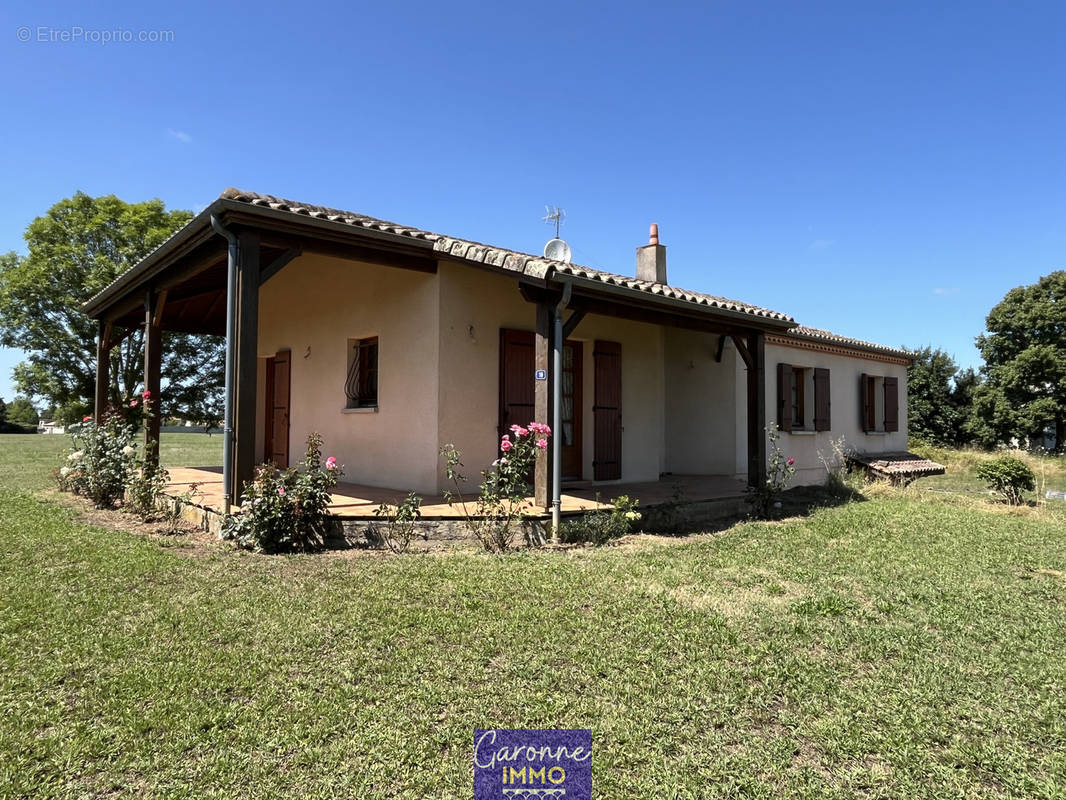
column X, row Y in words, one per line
column 602, row 525
column 1008, row 475
column 286, row 510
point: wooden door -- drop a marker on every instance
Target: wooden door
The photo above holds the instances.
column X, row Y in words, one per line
column 276, row 445
column 518, row 362
column 607, row 411
column 568, row 428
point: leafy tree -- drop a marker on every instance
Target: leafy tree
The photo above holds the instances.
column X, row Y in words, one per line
column 78, row 247
column 1024, row 348
column 20, row 411
column 3, row 412
column 939, row 396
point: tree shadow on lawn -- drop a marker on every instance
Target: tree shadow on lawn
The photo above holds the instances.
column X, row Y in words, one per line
column 682, row 518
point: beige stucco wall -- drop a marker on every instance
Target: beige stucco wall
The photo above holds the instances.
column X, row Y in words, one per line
column 313, row 307
column 700, row 402
column 474, row 306
column 844, row 373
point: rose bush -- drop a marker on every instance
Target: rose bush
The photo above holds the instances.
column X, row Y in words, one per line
column 501, row 507
column 286, row 510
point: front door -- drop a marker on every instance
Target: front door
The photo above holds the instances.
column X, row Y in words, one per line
column 276, row 444
column 518, row 364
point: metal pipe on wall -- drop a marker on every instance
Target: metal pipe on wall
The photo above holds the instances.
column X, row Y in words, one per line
column 557, row 403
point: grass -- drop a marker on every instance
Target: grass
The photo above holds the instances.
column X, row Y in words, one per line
column 1050, row 470
column 27, row 460
column 905, row 646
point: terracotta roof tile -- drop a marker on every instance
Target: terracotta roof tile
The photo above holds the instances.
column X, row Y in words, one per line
column 511, row 260
column 817, row 334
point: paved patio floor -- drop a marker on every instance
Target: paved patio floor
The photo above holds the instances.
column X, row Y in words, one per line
column 355, row 501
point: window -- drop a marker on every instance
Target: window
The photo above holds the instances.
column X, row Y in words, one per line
column 361, row 387
column 796, row 386
column 879, row 403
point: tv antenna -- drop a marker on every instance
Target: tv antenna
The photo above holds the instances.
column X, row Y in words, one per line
column 556, row 249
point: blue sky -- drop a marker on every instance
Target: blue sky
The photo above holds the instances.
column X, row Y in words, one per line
column 884, row 170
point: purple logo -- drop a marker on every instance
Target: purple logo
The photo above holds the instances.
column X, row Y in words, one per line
column 532, row 764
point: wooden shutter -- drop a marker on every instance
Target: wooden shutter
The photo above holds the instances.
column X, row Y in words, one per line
column 518, row 363
column 891, row 404
column 607, row 411
column 279, row 426
column 866, row 403
column 784, row 397
column 821, row 399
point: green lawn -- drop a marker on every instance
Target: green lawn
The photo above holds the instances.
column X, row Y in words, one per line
column 908, row 646
column 27, row 460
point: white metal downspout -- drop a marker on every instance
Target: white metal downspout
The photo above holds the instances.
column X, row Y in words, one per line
column 557, row 404
column 231, row 340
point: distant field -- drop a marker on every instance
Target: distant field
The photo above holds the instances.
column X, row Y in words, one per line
column 960, row 464
column 27, row 460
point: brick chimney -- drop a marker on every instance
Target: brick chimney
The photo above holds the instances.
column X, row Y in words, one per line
column 651, row 258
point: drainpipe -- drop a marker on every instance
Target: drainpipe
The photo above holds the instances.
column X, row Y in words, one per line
column 231, row 342
column 557, row 405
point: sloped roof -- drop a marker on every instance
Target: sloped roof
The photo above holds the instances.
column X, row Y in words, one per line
column 819, row 335
column 503, row 258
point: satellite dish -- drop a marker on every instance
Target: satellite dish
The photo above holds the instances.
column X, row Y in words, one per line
column 557, row 250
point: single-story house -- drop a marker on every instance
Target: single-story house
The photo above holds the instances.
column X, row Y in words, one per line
column 392, row 341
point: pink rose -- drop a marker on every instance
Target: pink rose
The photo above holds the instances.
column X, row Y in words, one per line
column 505, row 444
column 146, row 395
column 281, row 491
column 542, row 444
column 791, row 461
column 86, row 419
column 331, row 463
column 518, row 430
column 133, row 403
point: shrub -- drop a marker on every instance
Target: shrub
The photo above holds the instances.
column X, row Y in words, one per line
column 1008, row 475
column 764, row 498
column 146, row 490
column 286, row 510
column 602, row 525
column 102, row 460
column 500, row 509
column 397, row 526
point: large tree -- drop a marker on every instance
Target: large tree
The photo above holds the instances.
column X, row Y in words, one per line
column 1024, row 348
column 78, row 247
column 939, row 395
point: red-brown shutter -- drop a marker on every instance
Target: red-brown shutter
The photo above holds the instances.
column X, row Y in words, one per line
column 279, row 427
column 866, row 403
column 784, row 397
column 891, row 404
column 517, row 383
column 607, row 411
column 821, row 399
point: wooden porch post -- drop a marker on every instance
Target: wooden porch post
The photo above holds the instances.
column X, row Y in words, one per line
column 153, row 360
column 247, row 352
column 756, row 408
column 103, row 370
column 542, row 483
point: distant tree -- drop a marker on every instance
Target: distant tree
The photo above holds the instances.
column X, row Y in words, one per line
column 939, row 396
column 20, row 411
column 3, row 412
column 78, row 247
column 1024, row 348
